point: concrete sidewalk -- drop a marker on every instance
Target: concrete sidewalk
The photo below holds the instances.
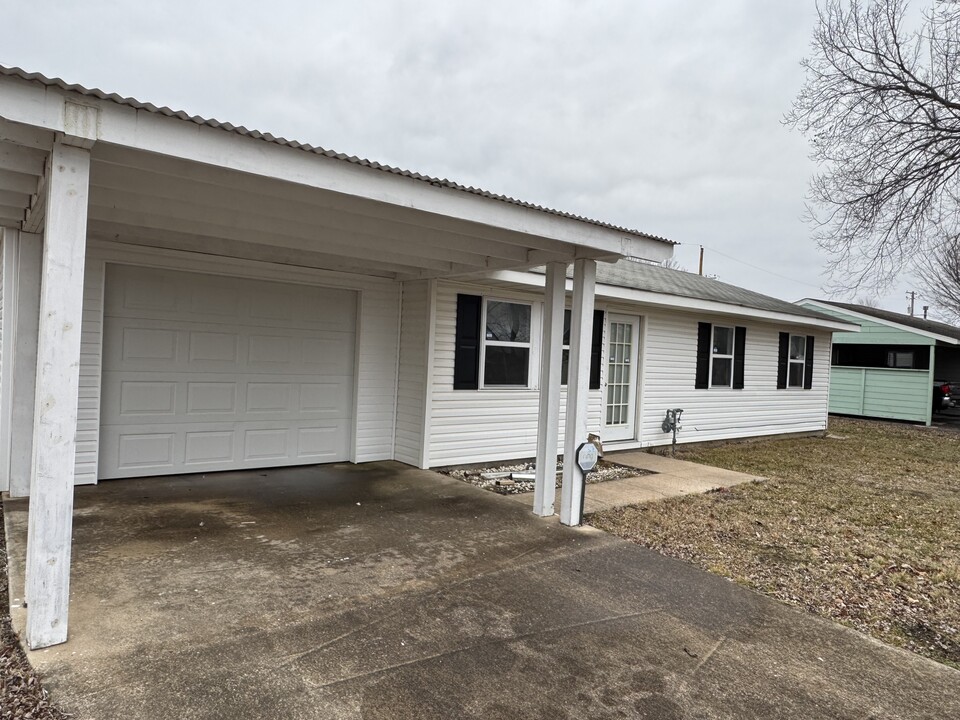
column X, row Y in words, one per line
column 671, row 478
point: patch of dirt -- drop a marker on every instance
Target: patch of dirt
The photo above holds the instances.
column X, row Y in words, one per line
column 483, row 477
column 21, row 693
column 864, row 531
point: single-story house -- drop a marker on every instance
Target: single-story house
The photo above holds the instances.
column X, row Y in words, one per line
column 889, row 368
column 738, row 363
column 183, row 295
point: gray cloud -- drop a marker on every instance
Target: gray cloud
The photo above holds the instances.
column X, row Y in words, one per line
column 660, row 116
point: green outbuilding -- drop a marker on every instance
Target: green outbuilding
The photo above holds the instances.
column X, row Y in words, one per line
column 890, row 368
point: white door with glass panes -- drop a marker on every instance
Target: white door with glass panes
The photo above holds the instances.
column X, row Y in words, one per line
column 620, row 406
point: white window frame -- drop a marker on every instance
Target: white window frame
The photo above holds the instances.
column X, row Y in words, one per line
column 802, row 362
column 533, row 356
column 731, row 356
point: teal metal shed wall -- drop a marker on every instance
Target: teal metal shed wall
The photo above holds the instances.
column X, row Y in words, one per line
column 891, row 393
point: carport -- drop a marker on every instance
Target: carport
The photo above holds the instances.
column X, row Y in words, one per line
column 382, row 591
column 141, row 250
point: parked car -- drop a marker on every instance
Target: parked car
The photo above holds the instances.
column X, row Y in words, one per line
column 943, row 396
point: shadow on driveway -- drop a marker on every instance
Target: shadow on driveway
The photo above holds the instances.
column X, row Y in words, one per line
column 380, row 591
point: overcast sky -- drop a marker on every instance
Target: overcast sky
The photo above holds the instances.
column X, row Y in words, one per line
column 663, row 116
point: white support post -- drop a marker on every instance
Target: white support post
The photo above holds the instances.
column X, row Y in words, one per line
column 578, row 388
column 551, row 360
column 8, row 301
column 29, row 273
column 50, row 523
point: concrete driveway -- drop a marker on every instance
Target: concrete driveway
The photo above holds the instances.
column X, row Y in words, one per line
column 385, row 592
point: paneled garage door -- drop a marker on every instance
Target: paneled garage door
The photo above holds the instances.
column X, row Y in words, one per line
column 203, row 373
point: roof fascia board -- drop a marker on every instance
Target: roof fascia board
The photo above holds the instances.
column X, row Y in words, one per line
column 871, row 318
column 40, row 106
column 677, row 302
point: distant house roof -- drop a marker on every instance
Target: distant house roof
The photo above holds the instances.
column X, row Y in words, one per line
column 256, row 134
column 654, row 278
column 928, row 326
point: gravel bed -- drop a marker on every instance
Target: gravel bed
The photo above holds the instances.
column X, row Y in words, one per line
column 480, row 477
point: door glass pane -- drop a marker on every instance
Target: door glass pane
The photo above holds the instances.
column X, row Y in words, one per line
column 619, row 351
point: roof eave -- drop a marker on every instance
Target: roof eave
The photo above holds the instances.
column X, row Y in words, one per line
column 679, row 302
column 883, row 321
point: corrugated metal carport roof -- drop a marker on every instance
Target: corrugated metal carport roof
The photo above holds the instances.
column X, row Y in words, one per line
column 256, row 134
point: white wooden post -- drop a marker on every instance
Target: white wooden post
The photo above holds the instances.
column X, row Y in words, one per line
column 551, row 359
column 29, row 271
column 578, row 387
column 50, row 523
column 8, row 302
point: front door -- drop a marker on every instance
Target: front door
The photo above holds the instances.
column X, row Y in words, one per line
column 623, row 339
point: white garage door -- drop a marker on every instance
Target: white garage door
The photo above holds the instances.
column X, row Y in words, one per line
column 203, row 373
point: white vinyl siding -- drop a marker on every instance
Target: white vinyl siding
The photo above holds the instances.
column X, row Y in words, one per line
column 484, row 425
column 91, row 351
column 669, row 371
column 377, row 345
column 376, row 369
column 413, row 382
column 7, row 266
column 468, row 426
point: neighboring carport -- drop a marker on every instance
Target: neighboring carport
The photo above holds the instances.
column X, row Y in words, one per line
column 888, row 369
column 386, row 592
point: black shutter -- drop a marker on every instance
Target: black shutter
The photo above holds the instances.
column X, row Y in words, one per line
column 739, row 346
column 704, row 336
column 782, row 360
column 596, row 349
column 808, row 364
column 466, row 361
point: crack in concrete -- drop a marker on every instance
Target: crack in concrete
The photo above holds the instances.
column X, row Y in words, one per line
column 489, row 643
column 709, row 654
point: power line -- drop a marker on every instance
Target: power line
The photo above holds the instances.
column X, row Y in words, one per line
column 762, row 269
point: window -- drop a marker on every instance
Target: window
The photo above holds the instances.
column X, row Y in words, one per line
column 720, row 353
column 902, row 357
column 721, row 357
column 796, row 361
column 595, row 349
column 506, row 343
column 497, row 341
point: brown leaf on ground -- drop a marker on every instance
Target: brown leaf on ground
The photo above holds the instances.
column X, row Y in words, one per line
column 863, row 528
column 22, row 696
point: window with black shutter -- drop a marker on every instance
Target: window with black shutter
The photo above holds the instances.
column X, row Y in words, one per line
column 596, row 349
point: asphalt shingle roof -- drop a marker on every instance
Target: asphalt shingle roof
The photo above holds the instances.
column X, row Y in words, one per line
column 931, row 326
column 654, row 278
column 256, row 134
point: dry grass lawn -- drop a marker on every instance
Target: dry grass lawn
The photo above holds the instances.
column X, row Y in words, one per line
column 862, row 527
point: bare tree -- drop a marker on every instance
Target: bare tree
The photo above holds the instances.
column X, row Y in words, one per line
column 673, row 264
column 867, row 301
column 941, row 273
column 881, row 108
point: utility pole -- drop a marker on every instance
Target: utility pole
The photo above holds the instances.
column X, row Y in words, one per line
column 911, row 296
column 701, row 259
